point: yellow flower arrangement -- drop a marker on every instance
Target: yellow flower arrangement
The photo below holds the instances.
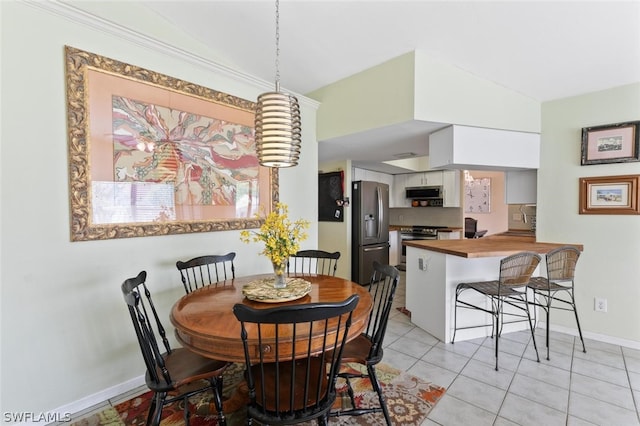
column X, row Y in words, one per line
column 281, row 237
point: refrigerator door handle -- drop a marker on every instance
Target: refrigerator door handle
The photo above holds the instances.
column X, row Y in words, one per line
column 374, row 248
column 380, row 211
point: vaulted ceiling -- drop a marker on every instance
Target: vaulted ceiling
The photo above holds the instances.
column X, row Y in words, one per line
column 543, row 49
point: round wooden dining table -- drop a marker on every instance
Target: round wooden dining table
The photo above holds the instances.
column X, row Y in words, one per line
column 205, row 324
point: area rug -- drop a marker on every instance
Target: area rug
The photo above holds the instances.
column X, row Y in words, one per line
column 409, row 400
column 405, row 311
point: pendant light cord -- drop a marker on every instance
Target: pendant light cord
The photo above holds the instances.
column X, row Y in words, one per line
column 277, row 45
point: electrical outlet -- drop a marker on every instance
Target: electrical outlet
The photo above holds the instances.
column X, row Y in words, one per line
column 517, row 217
column 422, row 263
column 600, row 304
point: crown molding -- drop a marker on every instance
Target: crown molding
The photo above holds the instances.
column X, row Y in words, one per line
column 114, row 29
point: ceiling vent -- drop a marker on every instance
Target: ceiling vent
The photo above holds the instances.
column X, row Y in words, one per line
column 405, row 155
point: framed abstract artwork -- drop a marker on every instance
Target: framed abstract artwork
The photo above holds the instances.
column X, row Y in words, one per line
column 612, row 143
column 609, row 195
column 150, row 154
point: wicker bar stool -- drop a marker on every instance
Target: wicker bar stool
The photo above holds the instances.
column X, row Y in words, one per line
column 558, row 286
column 510, row 288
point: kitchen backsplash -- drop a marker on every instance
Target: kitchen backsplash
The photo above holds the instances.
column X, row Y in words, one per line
column 435, row 216
column 522, row 216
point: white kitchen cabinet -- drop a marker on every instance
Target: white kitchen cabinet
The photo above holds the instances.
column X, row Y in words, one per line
column 433, row 178
column 394, row 248
column 521, row 187
column 448, row 179
column 399, row 199
column 359, row 174
column 451, row 188
column 465, row 147
column 370, row 175
column 423, row 179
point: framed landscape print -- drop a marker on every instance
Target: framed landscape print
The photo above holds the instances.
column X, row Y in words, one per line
column 612, row 143
column 609, row 195
column 150, row 154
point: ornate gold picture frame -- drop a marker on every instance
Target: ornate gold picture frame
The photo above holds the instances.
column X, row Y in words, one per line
column 150, row 154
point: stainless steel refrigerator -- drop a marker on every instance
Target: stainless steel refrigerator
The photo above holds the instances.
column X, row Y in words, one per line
column 369, row 228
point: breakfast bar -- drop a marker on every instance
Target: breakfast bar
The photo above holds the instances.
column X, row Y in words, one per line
column 436, row 267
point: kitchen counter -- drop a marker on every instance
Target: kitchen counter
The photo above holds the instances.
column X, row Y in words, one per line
column 435, row 267
column 485, row 247
column 449, row 229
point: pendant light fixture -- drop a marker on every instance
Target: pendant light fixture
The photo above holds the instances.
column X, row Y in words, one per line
column 278, row 125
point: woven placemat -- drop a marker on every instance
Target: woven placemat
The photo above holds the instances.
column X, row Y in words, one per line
column 262, row 290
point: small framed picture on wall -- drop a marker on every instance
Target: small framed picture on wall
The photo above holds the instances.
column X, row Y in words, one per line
column 611, row 143
column 609, row 195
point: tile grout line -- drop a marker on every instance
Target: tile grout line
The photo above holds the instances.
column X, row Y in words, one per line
column 633, row 396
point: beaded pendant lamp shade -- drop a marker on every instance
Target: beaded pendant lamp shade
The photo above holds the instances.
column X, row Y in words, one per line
column 278, row 124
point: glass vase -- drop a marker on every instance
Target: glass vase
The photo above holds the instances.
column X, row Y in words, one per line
column 280, row 280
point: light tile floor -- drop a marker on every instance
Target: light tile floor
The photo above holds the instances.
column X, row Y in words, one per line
column 600, row 387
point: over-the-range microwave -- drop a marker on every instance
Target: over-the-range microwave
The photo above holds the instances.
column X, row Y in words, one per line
column 424, row 192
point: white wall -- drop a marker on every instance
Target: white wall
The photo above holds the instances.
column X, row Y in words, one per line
column 65, row 331
column 609, row 266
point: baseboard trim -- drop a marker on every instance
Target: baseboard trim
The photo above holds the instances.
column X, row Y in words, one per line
column 593, row 336
column 101, row 397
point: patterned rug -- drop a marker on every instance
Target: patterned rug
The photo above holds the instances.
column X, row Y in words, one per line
column 409, row 400
column 405, row 311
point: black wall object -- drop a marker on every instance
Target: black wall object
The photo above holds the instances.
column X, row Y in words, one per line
column 330, row 189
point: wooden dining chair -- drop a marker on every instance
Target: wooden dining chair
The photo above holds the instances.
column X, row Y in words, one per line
column 172, row 375
column 366, row 349
column 206, row 270
column 317, row 262
column 297, row 382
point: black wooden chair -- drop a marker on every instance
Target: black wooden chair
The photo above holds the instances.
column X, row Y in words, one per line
column 206, row 270
column 509, row 289
column 297, row 384
column 558, row 286
column 317, row 262
column 172, row 375
column 366, row 349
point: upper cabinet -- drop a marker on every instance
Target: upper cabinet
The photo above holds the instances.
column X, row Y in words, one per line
column 451, row 187
column 399, row 199
column 521, row 187
column 448, row 179
column 423, row 179
column 476, row 148
column 362, row 174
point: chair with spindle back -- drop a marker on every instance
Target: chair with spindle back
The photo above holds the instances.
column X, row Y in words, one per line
column 366, row 349
column 316, row 262
column 172, row 374
column 293, row 383
column 206, row 270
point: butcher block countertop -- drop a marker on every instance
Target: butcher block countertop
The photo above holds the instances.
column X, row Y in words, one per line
column 486, row 247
